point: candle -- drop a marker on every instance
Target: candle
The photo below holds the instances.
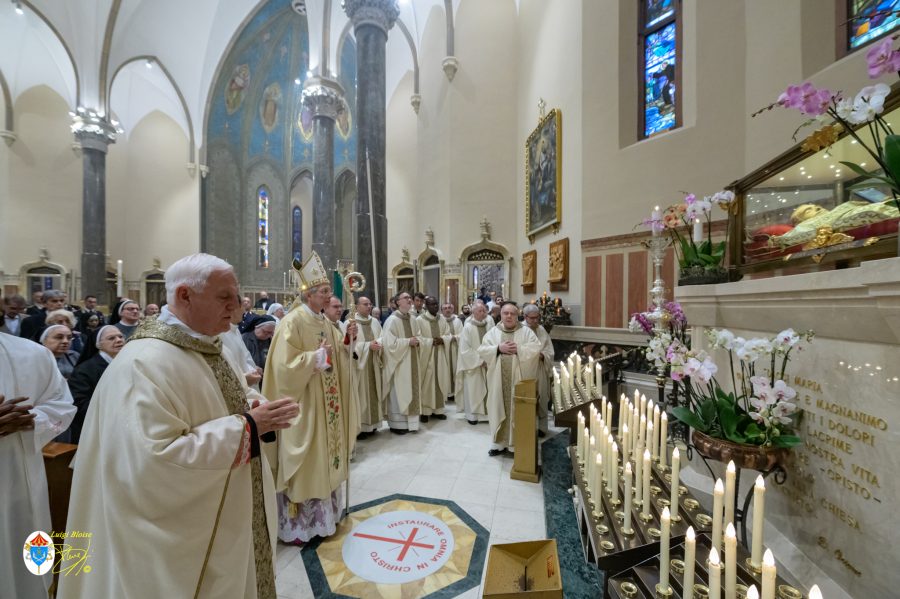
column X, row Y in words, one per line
column 643, row 407
column 586, row 443
column 698, row 231
column 768, row 575
column 448, row 293
column 645, row 492
column 642, row 432
column 607, row 451
column 752, row 593
column 715, row 574
column 729, row 493
column 730, row 562
column 656, row 422
column 635, row 427
column 664, row 548
column 814, row 592
column 759, row 502
column 626, row 454
column 614, row 481
column 637, row 397
column 591, row 374
column 690, row 551
column 676, row 471
column 626, row 525
column 638, row 473
column 592, row 449
column 598, row 377
column 598, row 485
column 621, row 414
column 650, row 436
column 120, row 279
column 718, row 494
column 663, row 439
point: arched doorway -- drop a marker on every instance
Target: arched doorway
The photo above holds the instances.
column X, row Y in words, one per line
column 485, row 265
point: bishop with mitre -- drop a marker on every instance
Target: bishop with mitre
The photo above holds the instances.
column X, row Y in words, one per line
column 307, row 361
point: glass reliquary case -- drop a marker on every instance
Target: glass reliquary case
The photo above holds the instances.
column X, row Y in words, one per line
column 806, row 211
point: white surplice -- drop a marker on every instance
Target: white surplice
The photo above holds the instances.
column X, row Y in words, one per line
column 434, row 362
column 471, row 371
column 28, row 370
column 402, row 371
column 504, row 372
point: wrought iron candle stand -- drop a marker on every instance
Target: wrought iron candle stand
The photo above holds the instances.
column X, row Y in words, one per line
column 639, row 581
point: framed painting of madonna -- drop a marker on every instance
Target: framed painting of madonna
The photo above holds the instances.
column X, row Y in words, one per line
column 543, row 182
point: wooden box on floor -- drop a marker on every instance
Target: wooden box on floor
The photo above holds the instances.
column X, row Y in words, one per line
column 529, row 569
column 525, row 465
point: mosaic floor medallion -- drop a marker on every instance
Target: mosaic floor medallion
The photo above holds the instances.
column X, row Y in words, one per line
column 399, row 546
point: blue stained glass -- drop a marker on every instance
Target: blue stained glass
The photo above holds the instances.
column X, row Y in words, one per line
column 297, row 233
column 658, row 10
column 870, row 19
column 262, row 231
column 659, row 81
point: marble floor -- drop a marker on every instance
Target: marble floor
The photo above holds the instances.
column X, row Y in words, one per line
column 444, row 460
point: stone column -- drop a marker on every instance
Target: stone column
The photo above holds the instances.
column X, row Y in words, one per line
column 372, row 19
column 94, row 133
column 324, row 98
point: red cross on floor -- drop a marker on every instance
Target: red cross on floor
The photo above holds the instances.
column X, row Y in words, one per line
column 407, row 543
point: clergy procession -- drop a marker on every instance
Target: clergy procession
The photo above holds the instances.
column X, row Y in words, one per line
column 179, row 433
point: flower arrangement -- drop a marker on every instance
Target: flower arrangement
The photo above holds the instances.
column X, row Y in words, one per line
column 760, row 410
column 847, row 113
column 676, row 329
column 683, row 223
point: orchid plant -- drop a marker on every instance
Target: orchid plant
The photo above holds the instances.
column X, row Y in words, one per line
column 847, row 114
column 760, row 409
column 676, row 329
column 677, row 222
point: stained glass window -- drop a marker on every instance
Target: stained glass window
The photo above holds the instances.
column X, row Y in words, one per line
column 871, row 19
column 658, row 11
column 262, row 236
column 297, row 233
column 659, row 87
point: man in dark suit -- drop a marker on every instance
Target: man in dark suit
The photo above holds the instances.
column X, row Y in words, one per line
column 37, row 303
column 263, row 302
column 54, row 299
column 90, row 309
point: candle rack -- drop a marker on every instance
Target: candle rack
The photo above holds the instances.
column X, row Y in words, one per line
column 639, row 580
column 604, row 541
column 565, row 410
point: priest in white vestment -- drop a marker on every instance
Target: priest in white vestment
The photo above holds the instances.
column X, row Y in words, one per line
column 470, row 367
column 402, row 367
column 309, row 359
column 545, row 364
column 370, row 364
column 35, row 407
column 434, row 339
column 455, row 325
column 511, row 352
column 169, row 481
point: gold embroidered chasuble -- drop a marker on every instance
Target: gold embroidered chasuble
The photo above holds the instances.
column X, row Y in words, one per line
column 311, row 457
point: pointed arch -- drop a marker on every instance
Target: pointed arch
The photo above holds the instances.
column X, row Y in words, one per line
column 65, row 46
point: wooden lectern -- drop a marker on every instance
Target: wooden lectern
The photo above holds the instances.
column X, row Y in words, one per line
column 525, row 465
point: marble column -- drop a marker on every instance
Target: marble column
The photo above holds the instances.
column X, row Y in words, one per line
column 372, row 19
column 94, row 133
column 324, row 98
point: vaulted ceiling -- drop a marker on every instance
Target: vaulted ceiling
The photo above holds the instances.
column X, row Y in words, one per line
column 130, row 57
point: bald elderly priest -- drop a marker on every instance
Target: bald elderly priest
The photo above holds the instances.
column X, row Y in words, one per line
column 511, row 352
column 308, row 360
column 169, row 481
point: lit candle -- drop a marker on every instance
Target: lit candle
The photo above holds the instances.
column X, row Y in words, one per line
column 626, row 444
column 656, row 218
column 642, row 432
column 120, row 279
column 729, row 493
column 637, row 397
column 752, row 593
column 664, row 548
column 663, row 439
column 638, row 473
column 635, row 427
column 591, row 375
column 656, row 421
column 607, row 452
column 698, row 231
column 715, row 574
column 614, row 468
column 592, row 449
column 645, row 492
column 730, row 562
column 718, row 494
column 768, row 575
column 650, row 437
column 690, row 551
column 598, row 485
column 585, row 445
column 643, row 406
column 626, row 525
column 814, row 592
column 676, row 471
column 580, row 440
column 759, row 502
column 656, row 214
column 598, row 377
column 622, row 403
column 448, row 293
